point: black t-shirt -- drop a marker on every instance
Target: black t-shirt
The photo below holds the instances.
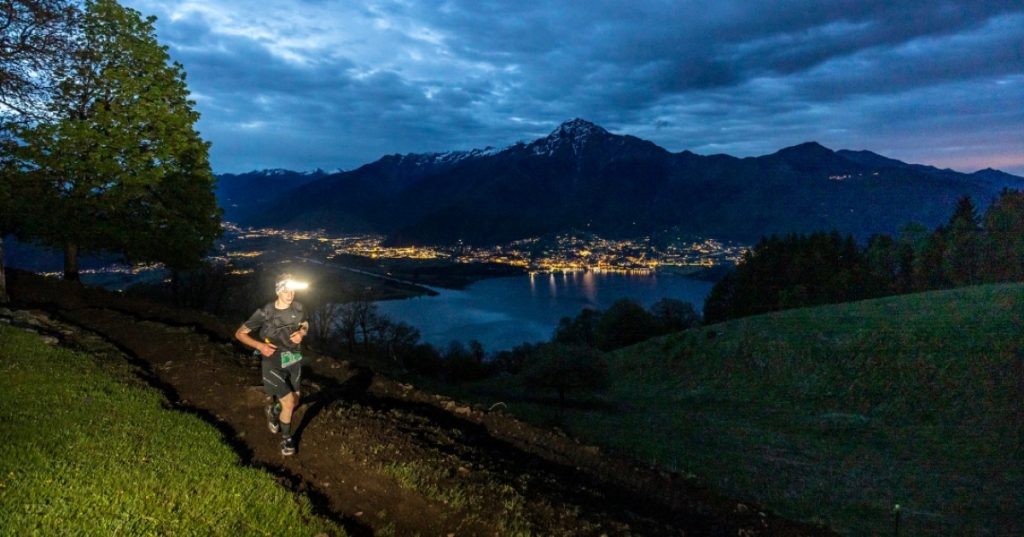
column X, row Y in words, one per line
column 277, row 325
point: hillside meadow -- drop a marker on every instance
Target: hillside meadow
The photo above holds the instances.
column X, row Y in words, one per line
column 90, row 450
column 833, row 414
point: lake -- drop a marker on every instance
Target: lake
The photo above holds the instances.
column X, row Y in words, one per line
column 504, row 312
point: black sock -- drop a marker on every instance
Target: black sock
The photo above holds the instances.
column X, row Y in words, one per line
column 286, row 429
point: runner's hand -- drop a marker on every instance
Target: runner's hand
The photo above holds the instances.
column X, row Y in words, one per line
column 266, row 349
column 297, row 336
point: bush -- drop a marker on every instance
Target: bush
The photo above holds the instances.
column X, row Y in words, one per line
column 625, row 323
column 673, row 315
column 424, row 359
column 462, row 364
column 566, row 368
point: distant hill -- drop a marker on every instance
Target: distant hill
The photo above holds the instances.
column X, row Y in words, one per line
column 583, row 177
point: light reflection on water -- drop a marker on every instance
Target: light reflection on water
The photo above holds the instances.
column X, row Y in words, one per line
column 504, row 312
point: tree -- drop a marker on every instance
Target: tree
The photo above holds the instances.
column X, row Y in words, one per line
column 913, row 239
column 963, row 244
column 396, row 338
column 723, row 301
column 790, row 272
column 674, row 315
column 929, row 271
column 33, row 40
column 179, row 219
column 324, row 321
column 512, row 361
column 120, row 168
column 580, row 330
column 566, row 368
column 424, row 359
column 463, row 364
column 6, row 209
column 883, row 264
column 34, row 37
column 1004, row 238
column 626, row 322
column 354, row 321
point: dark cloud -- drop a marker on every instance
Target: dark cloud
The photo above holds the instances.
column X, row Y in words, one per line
column 330, row 84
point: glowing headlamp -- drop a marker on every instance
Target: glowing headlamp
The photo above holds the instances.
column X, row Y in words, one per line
column 290, row 285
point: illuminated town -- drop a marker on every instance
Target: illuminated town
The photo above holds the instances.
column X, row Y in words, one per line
column 241, row 250
column 561, row 253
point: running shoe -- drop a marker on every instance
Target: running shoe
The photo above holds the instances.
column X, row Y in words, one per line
column 288, row 446
column 272, row 422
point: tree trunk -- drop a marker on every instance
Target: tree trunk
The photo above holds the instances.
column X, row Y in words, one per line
column 71, row 262
column 3, row 279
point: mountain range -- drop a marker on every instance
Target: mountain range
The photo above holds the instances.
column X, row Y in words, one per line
column 582, row 177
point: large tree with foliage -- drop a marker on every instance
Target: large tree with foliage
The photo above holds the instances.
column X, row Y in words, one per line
column 120, row 168
column 34, row 37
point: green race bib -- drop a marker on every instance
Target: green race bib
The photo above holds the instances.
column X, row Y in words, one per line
column 288, row 358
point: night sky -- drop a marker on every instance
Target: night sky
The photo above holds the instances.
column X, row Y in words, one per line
column 335, row 84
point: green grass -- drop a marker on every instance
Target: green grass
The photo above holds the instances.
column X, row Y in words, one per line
column 835, row 414
column 86, row 451
column 471, row 498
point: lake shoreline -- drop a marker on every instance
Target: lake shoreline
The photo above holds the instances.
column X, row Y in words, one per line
column 504, row 312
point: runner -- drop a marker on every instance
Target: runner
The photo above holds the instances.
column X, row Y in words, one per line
column 281, row 324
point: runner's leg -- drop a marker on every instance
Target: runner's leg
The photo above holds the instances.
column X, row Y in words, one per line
column 288, row 404
column 294, row 376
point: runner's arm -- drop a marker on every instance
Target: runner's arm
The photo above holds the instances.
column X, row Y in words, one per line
column 242, row 334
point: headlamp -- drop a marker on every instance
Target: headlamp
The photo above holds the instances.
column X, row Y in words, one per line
column 290, row 285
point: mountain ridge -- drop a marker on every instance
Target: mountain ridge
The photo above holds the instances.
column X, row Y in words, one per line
column 583, row 176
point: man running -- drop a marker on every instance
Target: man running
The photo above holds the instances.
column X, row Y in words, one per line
column 281, row 324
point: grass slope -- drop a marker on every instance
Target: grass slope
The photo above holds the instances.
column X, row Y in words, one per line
column 835, row 414
column 88, row 451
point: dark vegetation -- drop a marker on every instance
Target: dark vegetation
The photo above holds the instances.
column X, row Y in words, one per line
column 823, row 268
column 572, row 362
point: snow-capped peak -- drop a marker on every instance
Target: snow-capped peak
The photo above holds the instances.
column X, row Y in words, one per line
column 575, row 132
column 448, row 157
column 577, row 128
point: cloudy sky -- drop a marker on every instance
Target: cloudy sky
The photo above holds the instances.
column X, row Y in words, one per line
column 304, row 84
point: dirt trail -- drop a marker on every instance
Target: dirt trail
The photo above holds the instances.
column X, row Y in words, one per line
column 384, row 458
